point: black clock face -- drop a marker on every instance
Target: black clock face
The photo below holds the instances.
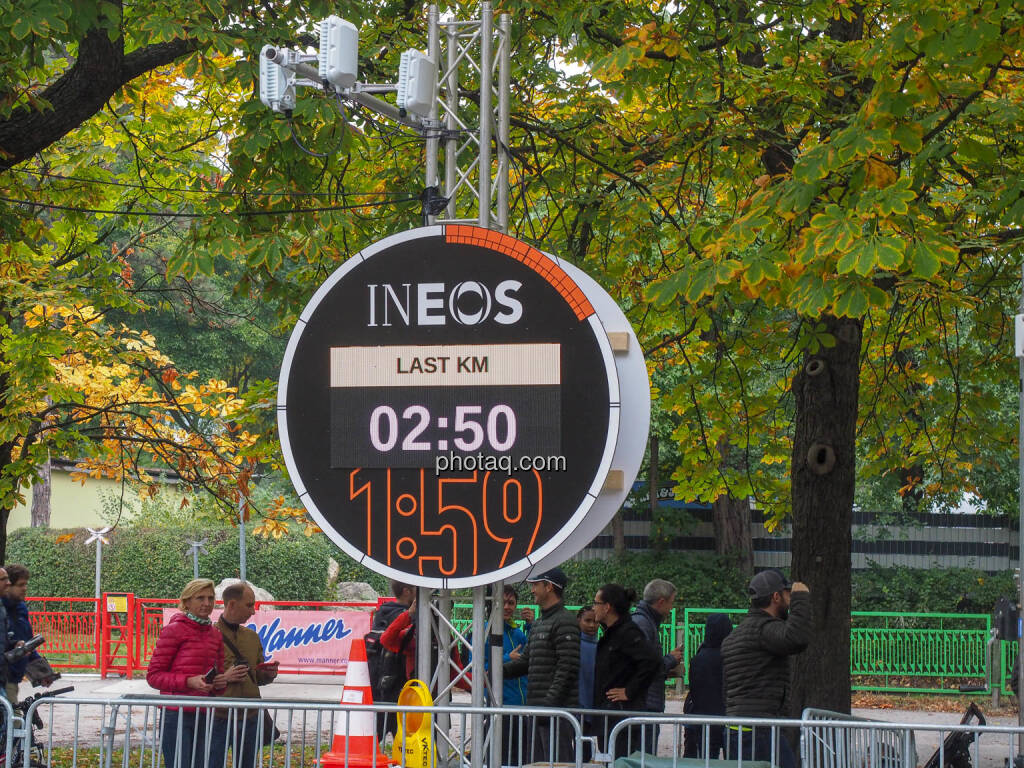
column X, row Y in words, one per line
column 448, row 406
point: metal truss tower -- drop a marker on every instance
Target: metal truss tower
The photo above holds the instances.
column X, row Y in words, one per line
column 467, row 182
column 467, row 160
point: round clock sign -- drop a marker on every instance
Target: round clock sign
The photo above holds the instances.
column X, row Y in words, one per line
column 449, row 406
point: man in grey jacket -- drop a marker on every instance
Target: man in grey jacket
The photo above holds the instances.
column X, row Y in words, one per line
column 655, row 608
column 551, row 662
column 755, row 661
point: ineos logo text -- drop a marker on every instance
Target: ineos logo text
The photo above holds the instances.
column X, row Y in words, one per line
column 467, row 303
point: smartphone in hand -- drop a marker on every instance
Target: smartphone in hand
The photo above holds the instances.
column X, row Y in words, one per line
column 209, row 676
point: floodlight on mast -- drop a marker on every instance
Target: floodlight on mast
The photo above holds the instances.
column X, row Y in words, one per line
column 339, row 53
column 417, row 83
column 276, row 90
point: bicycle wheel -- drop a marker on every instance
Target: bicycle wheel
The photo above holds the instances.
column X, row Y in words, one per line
column 36, row 758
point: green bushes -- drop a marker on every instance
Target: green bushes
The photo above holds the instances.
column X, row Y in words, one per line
column 709, row 582
column 929, row 590
column 156, row 562
column 702, row 580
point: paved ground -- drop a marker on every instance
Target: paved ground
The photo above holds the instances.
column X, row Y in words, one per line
column 66, row 720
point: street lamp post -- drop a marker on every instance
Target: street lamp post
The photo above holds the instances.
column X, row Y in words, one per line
column 197, row 547
column 241, row 537
column 100, row 537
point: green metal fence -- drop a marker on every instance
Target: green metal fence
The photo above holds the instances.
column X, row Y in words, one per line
column 898, row 652
column 463, row 620
column 1007, row 655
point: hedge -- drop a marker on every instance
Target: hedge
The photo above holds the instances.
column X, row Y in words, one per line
column 157, row 561
column 930, row 590
column 702, row 580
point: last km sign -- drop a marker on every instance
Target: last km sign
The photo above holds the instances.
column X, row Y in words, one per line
column 449, row 406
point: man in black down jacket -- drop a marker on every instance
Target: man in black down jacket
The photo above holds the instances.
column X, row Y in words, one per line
column 755, row 660
column 551, row 663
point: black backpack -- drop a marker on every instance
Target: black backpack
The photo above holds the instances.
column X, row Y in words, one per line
column 387, row 668
column 373, row 649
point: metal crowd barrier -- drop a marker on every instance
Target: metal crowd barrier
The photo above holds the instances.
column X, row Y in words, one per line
column 10, row 726
column 830, row 740
column 148, row 732
column 133, row 732
column 824, row 745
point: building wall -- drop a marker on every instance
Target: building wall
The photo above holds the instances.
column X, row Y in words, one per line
column 77, row 505
column 951, row 540
column 72, row 505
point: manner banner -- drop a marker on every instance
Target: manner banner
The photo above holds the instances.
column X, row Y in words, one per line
column 305, row 641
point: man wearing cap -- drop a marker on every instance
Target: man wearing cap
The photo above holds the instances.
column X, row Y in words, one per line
column 755, row 661
column 551, row 663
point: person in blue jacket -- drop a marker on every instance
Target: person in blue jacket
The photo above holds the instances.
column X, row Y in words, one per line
column 18, row 625
column 587, row 620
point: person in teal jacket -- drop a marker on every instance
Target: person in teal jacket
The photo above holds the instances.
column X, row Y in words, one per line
column 513, row 690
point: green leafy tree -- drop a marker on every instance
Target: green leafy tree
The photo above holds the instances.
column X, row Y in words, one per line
column 811, row 210
column 837, row 192
column 108, row 138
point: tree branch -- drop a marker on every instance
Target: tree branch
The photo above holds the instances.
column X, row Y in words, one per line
column 101, row 69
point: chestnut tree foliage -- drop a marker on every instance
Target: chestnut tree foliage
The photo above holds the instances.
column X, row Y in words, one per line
column 811, row 211
column 814, row 209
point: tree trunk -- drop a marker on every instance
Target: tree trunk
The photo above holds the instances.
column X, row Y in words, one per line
column 653, row 480
column 6, row 457
column 823, row 475
column 619, row 534
column 731, row 520
column 5, row 515
column 41, row 497
column 656, row 534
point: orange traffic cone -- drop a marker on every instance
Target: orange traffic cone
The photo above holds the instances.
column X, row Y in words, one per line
column 354, row 743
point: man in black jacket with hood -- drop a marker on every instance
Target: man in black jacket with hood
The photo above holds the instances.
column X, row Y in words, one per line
column 707, row 688
column 755, row 659
column 551, row 662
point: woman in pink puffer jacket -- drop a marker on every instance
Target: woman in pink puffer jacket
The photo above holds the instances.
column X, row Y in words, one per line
column 188, row 650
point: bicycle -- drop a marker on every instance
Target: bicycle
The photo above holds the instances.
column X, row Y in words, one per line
column 27, row 734
column 955, row 751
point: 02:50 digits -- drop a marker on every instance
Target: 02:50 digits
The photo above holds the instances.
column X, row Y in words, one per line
column 469, row 429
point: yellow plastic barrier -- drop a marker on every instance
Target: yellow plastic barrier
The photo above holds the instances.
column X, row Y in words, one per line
column 414, row 742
